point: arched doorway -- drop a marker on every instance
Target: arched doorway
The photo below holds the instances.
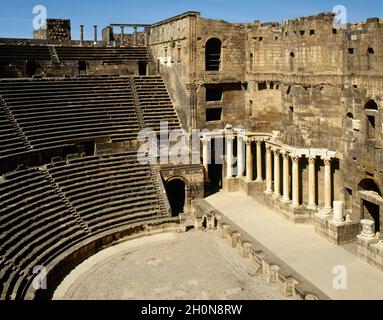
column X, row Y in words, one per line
column 371, row 198
column 175, row 190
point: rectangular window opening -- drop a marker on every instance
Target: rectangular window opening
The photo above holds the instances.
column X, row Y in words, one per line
column 262, row 86
column 213, row 114
column 213, row 94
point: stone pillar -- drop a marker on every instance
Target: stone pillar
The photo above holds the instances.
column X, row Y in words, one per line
column 249, row 161
column 135, row 36
column 95, row 35
column 295, row 160
column 122, row 36
column 338, row 212
column 368, row 229
column 81, row 35
column 327, row 185
column 229, row 156
column 268, row 170
column 277, row 174
column 205, row 156
column 312, row 203
column 286, row 177
column 240, row 156
column 259, row 160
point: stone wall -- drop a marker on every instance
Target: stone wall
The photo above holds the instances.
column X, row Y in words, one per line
column 178, row 46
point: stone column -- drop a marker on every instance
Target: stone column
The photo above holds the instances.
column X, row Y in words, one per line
column 240, row 156
column 338, row 212
column 259, row 160
column 268, row 170
column 135, row 36
column 95, row 35
column 249, row 161
column 81, row 35
column 295, row 160
column 205, row 156
column 229, row 156
column 122, row 36
column 277, row 173
column 286, row 177
column 312, row 204
column 327, row 185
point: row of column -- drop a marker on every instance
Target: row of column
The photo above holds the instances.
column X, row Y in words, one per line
column 276, row 152
column 82, row 35
column 134, row 35
column 295, row 177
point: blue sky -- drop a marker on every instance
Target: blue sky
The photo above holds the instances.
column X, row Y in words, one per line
column 16, row 16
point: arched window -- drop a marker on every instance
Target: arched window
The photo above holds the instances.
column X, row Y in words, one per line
column 251, row 61
column 370, row 109
column 369, row 185
column 213, row 54
column 370, row 53
column 371, row 105
column 349, row 115
column 291, row 60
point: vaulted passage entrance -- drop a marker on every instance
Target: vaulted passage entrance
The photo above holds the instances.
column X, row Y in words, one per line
column 371, row 212
column 371, row 200
column 175, row 190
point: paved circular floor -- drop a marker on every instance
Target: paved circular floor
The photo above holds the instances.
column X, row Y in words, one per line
column 193, row 265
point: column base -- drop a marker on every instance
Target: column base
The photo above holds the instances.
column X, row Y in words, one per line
column 250, row 187
column 230, row 184
column 259, row 180
column 285, row 200
column 324, row 213
column 276, row 196
column 338, row 222
column 312, row 207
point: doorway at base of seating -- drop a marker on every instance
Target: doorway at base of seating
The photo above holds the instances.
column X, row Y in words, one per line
column 175, row 190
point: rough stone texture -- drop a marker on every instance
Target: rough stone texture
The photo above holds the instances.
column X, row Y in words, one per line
column 371, row 251
column 55, row 30
column 178, row 45
column 336, row 233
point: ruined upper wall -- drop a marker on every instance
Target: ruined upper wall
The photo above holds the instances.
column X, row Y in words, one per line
column 312, row 46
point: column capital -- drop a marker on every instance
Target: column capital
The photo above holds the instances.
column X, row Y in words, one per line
column 248, row 140
column 259, row 141
column 285, row 154
column 276, row 151
column 205, row 140
column 229, row 137
column 327, row 161
column 295, row 158
column 312, row 159
column 269, row 148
